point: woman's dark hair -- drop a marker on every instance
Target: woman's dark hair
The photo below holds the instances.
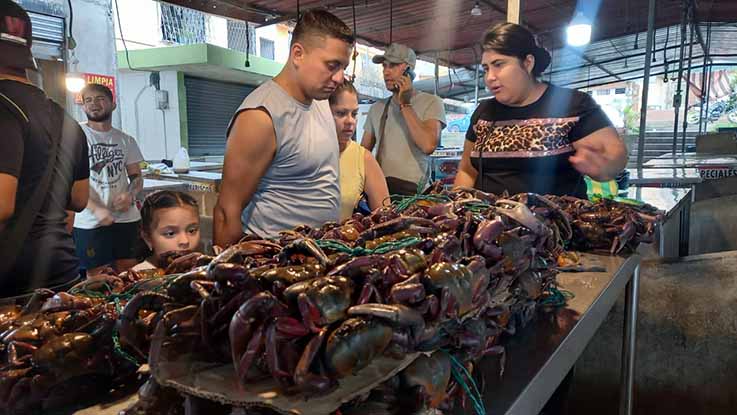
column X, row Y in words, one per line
column 514, row 40
column 346, row 86
column 161, row 199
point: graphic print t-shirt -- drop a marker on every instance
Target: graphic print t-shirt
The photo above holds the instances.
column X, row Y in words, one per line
column 109, row 153
column 526, row 149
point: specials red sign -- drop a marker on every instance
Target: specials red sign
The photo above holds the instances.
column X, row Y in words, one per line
column 93, row 78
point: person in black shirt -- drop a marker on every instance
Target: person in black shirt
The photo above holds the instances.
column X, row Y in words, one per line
column 43, row 253
column 533, row 136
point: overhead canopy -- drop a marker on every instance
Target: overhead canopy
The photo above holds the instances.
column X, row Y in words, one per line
column 613, row 60
column 448, row 27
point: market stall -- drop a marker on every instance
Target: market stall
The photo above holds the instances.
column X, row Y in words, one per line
column 453, row 275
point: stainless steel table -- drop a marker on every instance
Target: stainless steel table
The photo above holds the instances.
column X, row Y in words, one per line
column 685, row 177
column 539, row 356
column 674, row 233
column 709, row 166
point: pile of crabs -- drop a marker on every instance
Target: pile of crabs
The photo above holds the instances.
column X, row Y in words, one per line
column 445, row 274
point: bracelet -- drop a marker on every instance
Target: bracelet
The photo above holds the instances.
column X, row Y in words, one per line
column 403, row 106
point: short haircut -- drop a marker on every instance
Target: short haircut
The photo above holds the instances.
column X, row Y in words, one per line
column 91, row 88
column 320, row 23
column 346, row 86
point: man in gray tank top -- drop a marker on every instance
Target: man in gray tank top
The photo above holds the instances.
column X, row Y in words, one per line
column 281, row 159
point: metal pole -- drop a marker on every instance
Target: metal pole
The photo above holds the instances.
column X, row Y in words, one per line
column 646, row 83
column 703, row 80
column 476, row 78
column 708, row 94
column 677, row 97
column 514, row 11
column 437, row 74
column 629, row 343
column 476, row 86
column 688, row 81
column 703, row 115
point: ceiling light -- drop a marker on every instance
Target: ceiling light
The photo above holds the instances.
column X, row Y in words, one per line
column 476, row 11
column 579, row 31
column 75, row 82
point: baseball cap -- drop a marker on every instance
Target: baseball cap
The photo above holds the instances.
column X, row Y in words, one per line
column 15, row 37
column 397, row 53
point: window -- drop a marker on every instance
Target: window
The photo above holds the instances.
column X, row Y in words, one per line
column 182, row 26
column 620, row 91
column 266, row 47
column 237, row 36
column 603, row 92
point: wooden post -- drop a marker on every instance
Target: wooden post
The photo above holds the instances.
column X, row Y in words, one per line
column 514, row 11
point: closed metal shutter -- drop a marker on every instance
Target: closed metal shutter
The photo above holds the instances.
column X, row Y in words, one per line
column 210, row 105
column 48, row 36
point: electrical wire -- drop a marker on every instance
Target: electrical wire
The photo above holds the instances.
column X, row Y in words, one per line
column 122, row 38
column 71, row 18
column 355, row 35
column 248, row 45
column 391, row 19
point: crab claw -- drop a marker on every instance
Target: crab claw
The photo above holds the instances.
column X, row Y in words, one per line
column 522, row 214
column 395, row 225
column 485, row 235
column 304, row 246
column 397, row 314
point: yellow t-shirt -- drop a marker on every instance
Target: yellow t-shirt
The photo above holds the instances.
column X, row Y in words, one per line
column 352, row 178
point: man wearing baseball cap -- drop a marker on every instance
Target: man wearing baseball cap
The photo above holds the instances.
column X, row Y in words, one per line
column 43, row 171
column 404, row 128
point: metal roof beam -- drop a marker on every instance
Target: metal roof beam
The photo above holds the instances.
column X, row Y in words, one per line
column 637, row 55
column 592, row 62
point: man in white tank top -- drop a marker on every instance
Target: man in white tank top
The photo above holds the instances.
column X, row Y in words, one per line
column 282, row 158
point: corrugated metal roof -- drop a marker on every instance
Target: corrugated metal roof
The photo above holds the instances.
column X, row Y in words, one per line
column 48, row 28
column 447, row 25
column 613, row 60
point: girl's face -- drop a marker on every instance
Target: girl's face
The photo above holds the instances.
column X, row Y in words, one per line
column 173, row 229
column 345, row 114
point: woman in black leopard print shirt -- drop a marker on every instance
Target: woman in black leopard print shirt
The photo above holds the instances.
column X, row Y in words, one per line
column 533, row 136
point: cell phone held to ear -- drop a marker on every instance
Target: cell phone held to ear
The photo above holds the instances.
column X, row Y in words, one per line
column 408, row 73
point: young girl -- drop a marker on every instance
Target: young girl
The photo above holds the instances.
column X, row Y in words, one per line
column 359, row 171
column 170, row 221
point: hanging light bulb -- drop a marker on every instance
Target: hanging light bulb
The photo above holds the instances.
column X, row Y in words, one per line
column 579, row 31
column 476, row 10
column 74, row 82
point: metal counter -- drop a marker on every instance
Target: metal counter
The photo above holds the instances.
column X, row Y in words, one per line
column 674, row 233
column 539, row 356
column 684, row 177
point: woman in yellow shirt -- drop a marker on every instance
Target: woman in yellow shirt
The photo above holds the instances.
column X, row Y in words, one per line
column 359, row 171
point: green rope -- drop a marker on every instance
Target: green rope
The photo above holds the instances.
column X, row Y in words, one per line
column 122, row 353
column 402, row 202
column 116, row 339
column 129, row 292
column 383, row 248
column 116, row 298
column 557, row 298
column 464, row 378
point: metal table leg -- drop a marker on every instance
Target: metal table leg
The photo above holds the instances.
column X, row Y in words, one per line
column 685, row 228
column 632, row 294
